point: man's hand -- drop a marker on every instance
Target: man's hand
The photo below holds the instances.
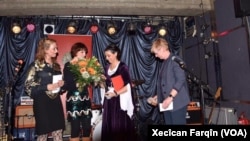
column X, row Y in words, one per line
column 152, row 100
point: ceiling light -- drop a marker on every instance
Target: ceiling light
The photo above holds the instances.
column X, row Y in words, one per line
column 162, row 30
column 30, row 27
column 147, row 29
column 131, row 28
column 111, row 28
column 16, row 28
column 94, row 28
column 72, row 27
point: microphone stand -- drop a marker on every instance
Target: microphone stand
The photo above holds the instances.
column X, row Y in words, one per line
column 9, row 92
column 202, row 85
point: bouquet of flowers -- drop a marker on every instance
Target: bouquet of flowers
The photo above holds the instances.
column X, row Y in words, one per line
column 87, row 72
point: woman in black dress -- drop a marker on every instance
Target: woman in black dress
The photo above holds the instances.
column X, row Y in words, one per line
column 78, row 104
column 48, row 109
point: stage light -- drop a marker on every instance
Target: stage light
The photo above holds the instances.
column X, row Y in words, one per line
column 111, row 28
column 16, row 28
column 147, row 29
column 49, row 29
column 72, row 27
column 30, row 27
column 94, row 28
column 162, row 30
column 131, row 28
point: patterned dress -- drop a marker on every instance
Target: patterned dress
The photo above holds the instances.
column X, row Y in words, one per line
column 78, row 104
column 48, row 109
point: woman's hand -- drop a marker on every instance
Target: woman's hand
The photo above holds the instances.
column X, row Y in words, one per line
column 60, row 83
column 110, row 93
column 103, row 77
column 54, row 86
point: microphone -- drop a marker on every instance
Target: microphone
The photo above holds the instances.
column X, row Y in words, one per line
column 178, row 61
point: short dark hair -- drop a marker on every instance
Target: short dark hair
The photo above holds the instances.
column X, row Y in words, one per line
column 78, row 47
column 114, row 49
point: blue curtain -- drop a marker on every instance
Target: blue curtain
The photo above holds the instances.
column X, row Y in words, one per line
column 135, row 53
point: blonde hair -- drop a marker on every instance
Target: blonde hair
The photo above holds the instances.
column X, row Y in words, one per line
column 43, row 45
column 160, row 42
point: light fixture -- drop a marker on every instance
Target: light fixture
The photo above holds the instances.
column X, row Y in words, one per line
column 162, row 30
column 94, row 28
column 111, row 28
column 147, row 28
column 72, row 27
column 30, row 27
column 48, row 29
column 131, row 28
column 16, row 28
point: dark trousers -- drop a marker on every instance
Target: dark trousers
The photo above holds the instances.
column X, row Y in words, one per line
column 177, row 117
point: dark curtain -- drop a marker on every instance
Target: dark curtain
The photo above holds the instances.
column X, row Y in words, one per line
column 135, row 53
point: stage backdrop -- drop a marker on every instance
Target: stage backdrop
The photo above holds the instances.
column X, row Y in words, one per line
column 64, row 43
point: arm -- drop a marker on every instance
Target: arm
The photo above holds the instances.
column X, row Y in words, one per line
column 179, row 81
column 33, row 85
column 124, row 71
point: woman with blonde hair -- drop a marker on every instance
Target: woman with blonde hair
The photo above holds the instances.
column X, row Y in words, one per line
column 47, row 107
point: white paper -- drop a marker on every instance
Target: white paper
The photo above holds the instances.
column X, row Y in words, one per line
column 170, row 107
column 56, row 78
column 110, row 89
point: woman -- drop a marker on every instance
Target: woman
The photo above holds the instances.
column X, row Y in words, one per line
column 78, row 104
column 117, row 123
column 48, row 109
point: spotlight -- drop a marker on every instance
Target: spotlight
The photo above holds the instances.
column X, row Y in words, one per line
column 16, row 28
column 49, row 29
column 30, row 27
column 162, row 30
column 131, row 28
column 72, row 27
column 94, row 28
column 111, row 28
column 147, row 29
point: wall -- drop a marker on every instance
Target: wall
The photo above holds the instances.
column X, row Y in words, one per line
column 234, row 54
column 228, row 64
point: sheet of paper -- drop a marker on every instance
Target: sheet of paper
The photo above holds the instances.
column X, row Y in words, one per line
column 170, row 107
column 56, row 78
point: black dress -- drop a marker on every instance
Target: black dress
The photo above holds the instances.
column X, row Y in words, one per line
column 48, row 111
column 78, row 104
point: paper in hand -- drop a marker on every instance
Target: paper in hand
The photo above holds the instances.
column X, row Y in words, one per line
column 170, row 107
column 56, row 78
column 110, row 89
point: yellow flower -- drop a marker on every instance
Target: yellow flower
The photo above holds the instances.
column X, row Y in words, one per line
column 87, row 71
